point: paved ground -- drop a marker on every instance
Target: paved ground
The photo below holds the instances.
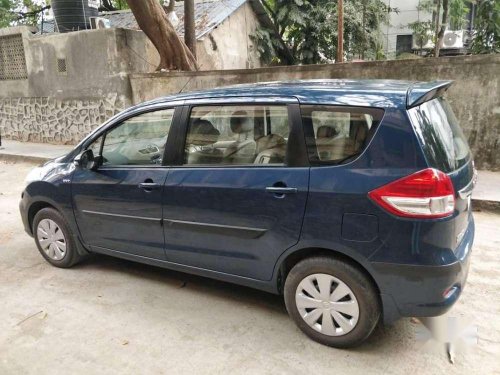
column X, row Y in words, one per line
column 113, row 316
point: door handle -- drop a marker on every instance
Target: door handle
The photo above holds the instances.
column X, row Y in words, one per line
column 281, row 190
column 148, row 186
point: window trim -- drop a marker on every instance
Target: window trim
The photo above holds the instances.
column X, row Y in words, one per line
column 296, row 135
column 119, row 120
column 376, row 112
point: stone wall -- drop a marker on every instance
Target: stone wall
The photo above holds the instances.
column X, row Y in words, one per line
column 50, row 120
column 475, row 95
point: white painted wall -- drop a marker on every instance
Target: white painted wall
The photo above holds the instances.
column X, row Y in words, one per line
column 408, row 13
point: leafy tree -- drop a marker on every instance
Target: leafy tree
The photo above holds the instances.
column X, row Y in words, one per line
column 486, row 31
column 305, row 31
column 21, row 12
column 458, row 13
column 486, row 35
column 6, row 15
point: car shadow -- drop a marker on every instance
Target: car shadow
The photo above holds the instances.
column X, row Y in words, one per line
column 395, row 337
column 192, row 283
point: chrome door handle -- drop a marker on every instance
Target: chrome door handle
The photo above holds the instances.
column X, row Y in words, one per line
column 281, row 190
column 148, row 186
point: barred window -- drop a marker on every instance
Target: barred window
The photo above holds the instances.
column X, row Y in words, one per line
column 12, row 59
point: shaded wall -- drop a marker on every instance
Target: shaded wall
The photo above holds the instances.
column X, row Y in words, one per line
column 73, row 81
column 475, row 95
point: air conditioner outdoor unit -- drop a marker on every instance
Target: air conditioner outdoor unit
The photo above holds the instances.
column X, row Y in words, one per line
column 453, row 39
column 422, row 42
column 99, row 23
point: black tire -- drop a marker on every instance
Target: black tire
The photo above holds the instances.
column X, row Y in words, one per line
column 362, row 287
column 71, row 256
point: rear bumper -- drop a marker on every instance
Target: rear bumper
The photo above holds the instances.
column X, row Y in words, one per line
column 424, row 291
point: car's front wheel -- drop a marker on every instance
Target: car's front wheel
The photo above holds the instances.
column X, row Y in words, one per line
column 54, row 239
column 331, row 301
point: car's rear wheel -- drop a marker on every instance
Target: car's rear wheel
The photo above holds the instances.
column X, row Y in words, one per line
column 54, row 239
column 332, row 301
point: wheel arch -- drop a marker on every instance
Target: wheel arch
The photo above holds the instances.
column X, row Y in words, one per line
column 36, row 207
column 290, row 259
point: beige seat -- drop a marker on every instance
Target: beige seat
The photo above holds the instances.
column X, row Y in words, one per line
column 331, row 147
column 241, row 151
column 271, row 149
column 203, row 135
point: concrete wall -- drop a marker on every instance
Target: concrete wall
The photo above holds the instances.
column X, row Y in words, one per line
column 228, row 46
column 57, row 105
column 97, row 62
column 72, row 82
column 475, row 96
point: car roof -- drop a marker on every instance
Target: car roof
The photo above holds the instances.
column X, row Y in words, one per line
column 378, row 93
column 366, row 92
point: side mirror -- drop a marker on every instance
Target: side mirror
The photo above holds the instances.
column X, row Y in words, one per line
column 86, row 160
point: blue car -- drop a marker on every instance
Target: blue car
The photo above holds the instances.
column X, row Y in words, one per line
column 349, row 197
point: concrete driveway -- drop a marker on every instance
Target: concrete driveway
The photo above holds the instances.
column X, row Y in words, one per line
column 113, row 316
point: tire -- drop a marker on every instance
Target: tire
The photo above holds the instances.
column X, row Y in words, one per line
column 42, row 221
column 358, row 309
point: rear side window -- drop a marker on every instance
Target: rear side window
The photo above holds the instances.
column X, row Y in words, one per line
column 335, row 135
column 238, row 135
column 443, row 142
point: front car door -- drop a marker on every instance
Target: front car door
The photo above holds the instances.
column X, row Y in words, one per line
column 118, row 206
column 236, row 198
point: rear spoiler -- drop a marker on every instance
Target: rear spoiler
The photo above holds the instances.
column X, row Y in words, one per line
column 420, row 92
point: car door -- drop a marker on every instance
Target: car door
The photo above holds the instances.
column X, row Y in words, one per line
column 118, row 206
column 236, row 197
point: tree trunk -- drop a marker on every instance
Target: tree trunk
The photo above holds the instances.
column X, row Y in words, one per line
column 152, row 19
column 444, row 22
column 436, row 46
column 189, row 28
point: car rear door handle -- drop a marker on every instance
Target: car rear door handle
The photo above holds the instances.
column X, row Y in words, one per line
column 281, row 190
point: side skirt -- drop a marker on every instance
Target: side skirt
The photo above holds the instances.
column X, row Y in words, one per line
column 266, row 286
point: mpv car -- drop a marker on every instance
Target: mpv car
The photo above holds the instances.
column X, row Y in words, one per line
column 350, row 198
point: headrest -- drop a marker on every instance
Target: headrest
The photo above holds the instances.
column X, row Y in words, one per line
column 326, row 131
column 359, row 130
column 240, row 122
column 202, row 133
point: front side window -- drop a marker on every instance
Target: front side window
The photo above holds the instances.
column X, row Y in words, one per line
column 139, row 140
column 336, row 135
column 95, row 146
column 239, row 135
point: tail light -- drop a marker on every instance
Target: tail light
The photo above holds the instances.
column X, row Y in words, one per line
column 426, row 194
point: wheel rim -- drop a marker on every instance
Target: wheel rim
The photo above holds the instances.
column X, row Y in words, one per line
column 327, row 304
column 51, row 239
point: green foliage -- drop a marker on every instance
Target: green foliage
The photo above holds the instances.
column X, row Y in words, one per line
column 458, row 13
column 486, row 36
column 422, row 31
column 6, row 15
column 21, row 12
column 306, row 30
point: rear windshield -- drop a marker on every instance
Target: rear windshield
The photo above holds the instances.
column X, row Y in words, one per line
column 444, row 144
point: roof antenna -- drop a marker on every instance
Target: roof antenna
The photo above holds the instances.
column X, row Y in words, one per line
column 189, row 80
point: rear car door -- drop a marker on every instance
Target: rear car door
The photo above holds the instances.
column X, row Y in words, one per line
column 236, row 197
column 118, row 206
